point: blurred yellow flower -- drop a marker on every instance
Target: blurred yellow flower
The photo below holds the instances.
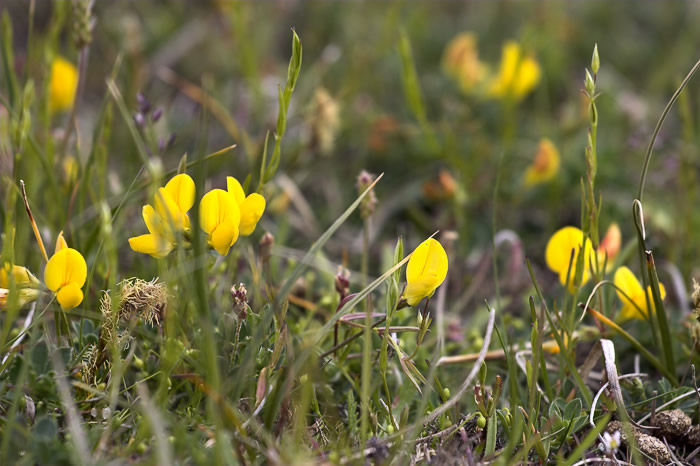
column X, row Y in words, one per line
column 62, row 85
column 251, row 207
column 518, row 74
column 220, row 217
column 24, row 280
column 552, row 347
column 70, row 170
column 545, row 166
column 558, row 254
column 65, row 275
column 634, row 307
column 461, row 61
column 426, row 270
column 611, row 244
column 167, row 218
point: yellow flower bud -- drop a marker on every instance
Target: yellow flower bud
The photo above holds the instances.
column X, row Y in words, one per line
column 461, row 61
column 545, row 165
column 426, row 270
column 24, row 281
column 610, row 244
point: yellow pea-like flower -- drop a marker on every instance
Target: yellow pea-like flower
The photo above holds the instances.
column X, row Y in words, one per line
column 426, row 270
column 518, row 74
column 65, row 275
column 461, row 61
column 558, row 254
column 634, row 307
column 24, row 280
column 251, row 207
column 220, row 217
column 167, row 218
column 545, row 166
column 62, row 85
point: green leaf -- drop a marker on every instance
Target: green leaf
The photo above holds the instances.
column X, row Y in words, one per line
column 409, row 77
column 45, row 428
column 492, row 429
column 573, row 409
column 8, row 58
column 40, row 358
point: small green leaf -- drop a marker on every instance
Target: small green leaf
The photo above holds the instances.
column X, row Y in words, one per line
column 573, row 409
column 45, row 429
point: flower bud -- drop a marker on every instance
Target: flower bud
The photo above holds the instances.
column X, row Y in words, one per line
column 595, row 61
column 144, row 104
column 342, row 282
column 139, row 119
column 240, row 301
column 265, row 246
column 589, row 83
column 369, row 202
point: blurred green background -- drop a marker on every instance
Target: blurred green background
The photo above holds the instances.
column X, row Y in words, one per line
column 238, row 52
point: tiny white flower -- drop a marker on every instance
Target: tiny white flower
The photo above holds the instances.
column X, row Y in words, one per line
column 611, row 442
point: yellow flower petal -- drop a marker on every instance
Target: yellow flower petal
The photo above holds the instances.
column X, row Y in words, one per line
column 627, row 282
column 64, row 267
column 168, row 210
column 22, row 276
column 558, row 254
column 235, row 189
column 426, row 270
column 181, row 190
column 151, row 244
column 518, row 74
column 223, row 237
column 60, row 242
column 527, row 78
column 610, row 244
column 220, row 217
column 62, row 85
column 69, row 296
column 252, row 209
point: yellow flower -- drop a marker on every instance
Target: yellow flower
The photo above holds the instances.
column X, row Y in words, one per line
column 71, row 167
column 461, row 61
column 220, row 217
column 518, row 74
column 251, row 207
column 558, row 254
column 63, row 84
column 65, row 275
column 24, row 280
column 627, row 282
column 167, row 218
column 611, row 244
column 545, row 166
column 426, row 270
